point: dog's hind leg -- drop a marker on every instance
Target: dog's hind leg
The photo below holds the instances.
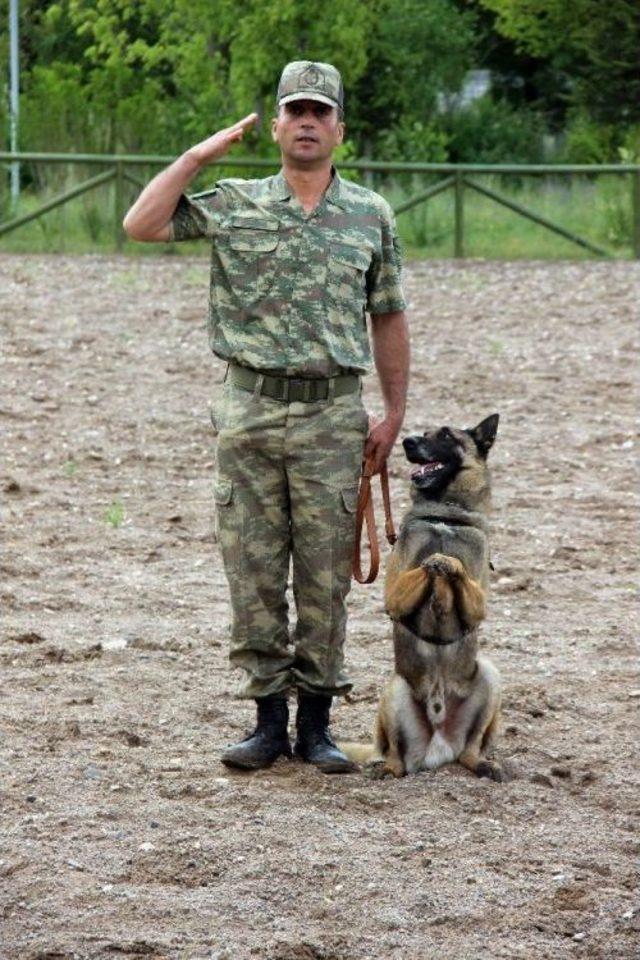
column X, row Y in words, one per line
column 390, row 749
column 404, row 589
column 473, row 756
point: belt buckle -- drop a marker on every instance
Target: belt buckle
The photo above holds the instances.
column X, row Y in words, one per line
column 298, row 390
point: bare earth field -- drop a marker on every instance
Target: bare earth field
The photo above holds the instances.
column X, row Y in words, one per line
column 122, row 834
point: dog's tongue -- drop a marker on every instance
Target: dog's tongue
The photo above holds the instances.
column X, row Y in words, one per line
column 426, row 468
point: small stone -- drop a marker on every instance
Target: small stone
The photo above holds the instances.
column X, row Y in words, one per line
column 542, row 778
column 146, row 846
column 564, row 773
column 154, row 824
column 31, row 798
column 579, row 937
column 76, row 865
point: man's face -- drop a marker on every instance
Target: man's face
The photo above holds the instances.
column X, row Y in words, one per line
column 307, row 131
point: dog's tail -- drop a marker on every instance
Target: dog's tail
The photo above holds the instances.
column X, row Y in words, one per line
column 358, row 752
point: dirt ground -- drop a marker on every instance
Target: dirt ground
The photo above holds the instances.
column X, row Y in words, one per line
column 122, row 834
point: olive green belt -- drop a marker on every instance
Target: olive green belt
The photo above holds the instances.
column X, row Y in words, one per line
column 290, row 389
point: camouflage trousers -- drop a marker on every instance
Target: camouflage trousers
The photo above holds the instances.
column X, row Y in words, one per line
column 285, row 489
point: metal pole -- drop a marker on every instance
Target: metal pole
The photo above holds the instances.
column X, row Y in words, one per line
column 117, row 204
column 14, row 81
column 458, row 250
column 635, row 193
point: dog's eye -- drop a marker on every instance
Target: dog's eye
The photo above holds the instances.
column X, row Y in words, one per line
column 445, row 434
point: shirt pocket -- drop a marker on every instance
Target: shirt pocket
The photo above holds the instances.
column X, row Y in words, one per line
column 249, row 259
column 347, row 274
column 253, row 234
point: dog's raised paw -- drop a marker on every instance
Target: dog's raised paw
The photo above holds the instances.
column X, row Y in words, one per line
column 442, row 564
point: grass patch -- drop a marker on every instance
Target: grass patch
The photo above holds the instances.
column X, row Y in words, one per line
column 596, row 209
column 114, row 514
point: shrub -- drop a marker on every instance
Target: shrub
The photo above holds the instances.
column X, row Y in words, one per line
column 492, row 131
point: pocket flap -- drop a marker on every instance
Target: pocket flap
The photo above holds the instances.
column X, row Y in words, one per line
column 351, row 257
column 253, row 223
column 222, row 491
column 350, row 498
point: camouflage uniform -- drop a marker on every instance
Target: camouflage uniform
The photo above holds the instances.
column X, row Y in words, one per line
column 289, row 291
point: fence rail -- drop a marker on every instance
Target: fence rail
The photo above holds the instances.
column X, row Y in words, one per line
column 457, row 179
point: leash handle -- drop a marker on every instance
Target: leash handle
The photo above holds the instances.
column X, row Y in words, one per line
column 365, row 513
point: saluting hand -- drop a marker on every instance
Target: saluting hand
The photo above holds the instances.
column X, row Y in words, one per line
column 221, row 142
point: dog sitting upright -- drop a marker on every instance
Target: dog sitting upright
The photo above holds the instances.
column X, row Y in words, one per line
column 443, row 702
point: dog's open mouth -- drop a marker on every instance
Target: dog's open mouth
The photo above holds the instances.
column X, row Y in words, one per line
column 432, row 466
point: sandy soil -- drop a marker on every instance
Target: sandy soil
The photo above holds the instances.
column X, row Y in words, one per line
column 123, row 836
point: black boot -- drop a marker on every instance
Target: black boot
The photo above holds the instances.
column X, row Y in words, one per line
column 314, row 743
column 268, row 741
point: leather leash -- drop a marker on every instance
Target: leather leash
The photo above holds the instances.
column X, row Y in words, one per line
column 364, row 511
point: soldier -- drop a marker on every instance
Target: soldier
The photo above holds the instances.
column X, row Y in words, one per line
column 298, row 259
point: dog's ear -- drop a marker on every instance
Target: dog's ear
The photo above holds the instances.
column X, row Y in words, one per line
column 485, row 433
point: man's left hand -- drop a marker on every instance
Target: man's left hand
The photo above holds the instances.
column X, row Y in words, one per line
column 379, row 443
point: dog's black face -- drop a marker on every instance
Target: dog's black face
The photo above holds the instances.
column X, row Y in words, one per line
column 439, row 458
column 443, row 453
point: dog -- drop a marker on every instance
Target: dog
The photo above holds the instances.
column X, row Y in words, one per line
column 443, row 702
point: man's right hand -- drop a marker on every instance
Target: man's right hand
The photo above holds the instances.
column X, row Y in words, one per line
column 221, row 142
column 150, row 216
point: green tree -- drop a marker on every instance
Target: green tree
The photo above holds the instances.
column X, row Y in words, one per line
column 414, row 49
column 593, row 45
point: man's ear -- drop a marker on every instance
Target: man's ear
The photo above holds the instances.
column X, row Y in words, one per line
column 341, row 131
column 274, row 121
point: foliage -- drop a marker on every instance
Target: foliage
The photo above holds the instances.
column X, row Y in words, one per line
column 415, row 49
column 155, row 76
column 492, row 131
column 594, row 44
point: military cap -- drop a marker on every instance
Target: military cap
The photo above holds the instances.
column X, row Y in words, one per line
column 306, row 80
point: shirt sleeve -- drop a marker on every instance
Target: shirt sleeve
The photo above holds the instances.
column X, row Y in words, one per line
column 198, row 215
column 384, row 285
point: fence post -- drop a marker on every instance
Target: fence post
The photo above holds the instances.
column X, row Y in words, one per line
column 635, row 199
column 117, row 206
column 458, row 189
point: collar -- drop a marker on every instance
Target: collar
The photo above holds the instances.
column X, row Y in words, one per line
column 281, row 190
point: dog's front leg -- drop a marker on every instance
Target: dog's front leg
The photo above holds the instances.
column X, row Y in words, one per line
column 468, row 595
column 404, row 589
column 470, row 600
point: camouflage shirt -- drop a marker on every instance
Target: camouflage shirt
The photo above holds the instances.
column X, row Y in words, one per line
column 289, row 289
